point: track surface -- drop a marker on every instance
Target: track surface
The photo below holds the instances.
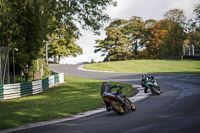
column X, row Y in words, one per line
column 177, row 110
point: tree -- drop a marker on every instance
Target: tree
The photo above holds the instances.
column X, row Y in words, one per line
column 175, row 15
column 115, row 46
column 134, row 31
column 22, row 27
column 63, row 44
column 193, row 29
column 126, row 37
column 193, row 38
column 156, row 34
column 197, row 18
column 174, row 39
column 26, row 24
column 174, row 23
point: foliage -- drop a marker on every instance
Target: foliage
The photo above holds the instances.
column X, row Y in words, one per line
column 175, row 15
column 167, row 36
column 173, row 42
column 193, row 38
column 197, row 12
column 145, row 39
column 124, row 39
column 156, row 34
column 143, row 54
column 26, row 24
column 115, row 46
column 21, row 27
column 135, row 30
column 62, row 43
column 193, row 28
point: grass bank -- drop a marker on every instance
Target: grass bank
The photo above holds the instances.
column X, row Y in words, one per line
column 149, row 66
column 74, row 96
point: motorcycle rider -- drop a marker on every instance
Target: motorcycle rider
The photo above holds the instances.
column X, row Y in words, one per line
column 146, row 81
column 106, row 90
column 147, row 78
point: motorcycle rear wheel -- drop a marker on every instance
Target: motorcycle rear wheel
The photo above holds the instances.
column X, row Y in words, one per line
column 117, row 108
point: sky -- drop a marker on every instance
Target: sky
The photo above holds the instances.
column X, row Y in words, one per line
column 147, row 9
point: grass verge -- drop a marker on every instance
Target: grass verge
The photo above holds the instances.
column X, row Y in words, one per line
column 74, row 96
column 149, row 66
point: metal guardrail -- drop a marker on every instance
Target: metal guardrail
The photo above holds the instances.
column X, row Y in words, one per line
column 1, row 92
column 10, row 91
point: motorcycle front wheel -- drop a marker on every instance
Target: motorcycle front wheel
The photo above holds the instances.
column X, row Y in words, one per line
column 154, row 90
column 133, row 108
column 117, row 107
column 159, row 89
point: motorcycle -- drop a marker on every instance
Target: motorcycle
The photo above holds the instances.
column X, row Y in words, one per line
column 116, row 101
column 149, row 83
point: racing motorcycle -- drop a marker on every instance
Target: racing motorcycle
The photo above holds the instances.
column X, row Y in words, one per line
column 116, row 101
column 150, row 83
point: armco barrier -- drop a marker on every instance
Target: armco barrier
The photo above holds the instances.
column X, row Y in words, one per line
column 1, row 92
column 37, row 86
column 45, row 84
column 51, row 81
column 26, row 89
column 56, row 78
column 61, row 77
column 10, row 91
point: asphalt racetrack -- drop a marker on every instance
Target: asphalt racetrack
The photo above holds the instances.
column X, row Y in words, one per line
column 177, row 110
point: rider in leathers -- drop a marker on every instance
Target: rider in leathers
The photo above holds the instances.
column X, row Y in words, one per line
column 106, row 88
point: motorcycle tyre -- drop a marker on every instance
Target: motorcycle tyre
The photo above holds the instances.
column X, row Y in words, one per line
column 155, row 91
column 116, row 108
column 159, row 89
column 133, row 108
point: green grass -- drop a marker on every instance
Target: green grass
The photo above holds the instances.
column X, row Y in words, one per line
column 74, row 96
column 149, row 66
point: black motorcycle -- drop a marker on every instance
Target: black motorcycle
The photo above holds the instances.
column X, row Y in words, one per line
column 150, row 83
column 116, row 101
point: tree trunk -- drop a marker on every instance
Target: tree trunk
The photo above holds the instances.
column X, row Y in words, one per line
column 59, row 59
column 55, row 58
column 47, row 53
